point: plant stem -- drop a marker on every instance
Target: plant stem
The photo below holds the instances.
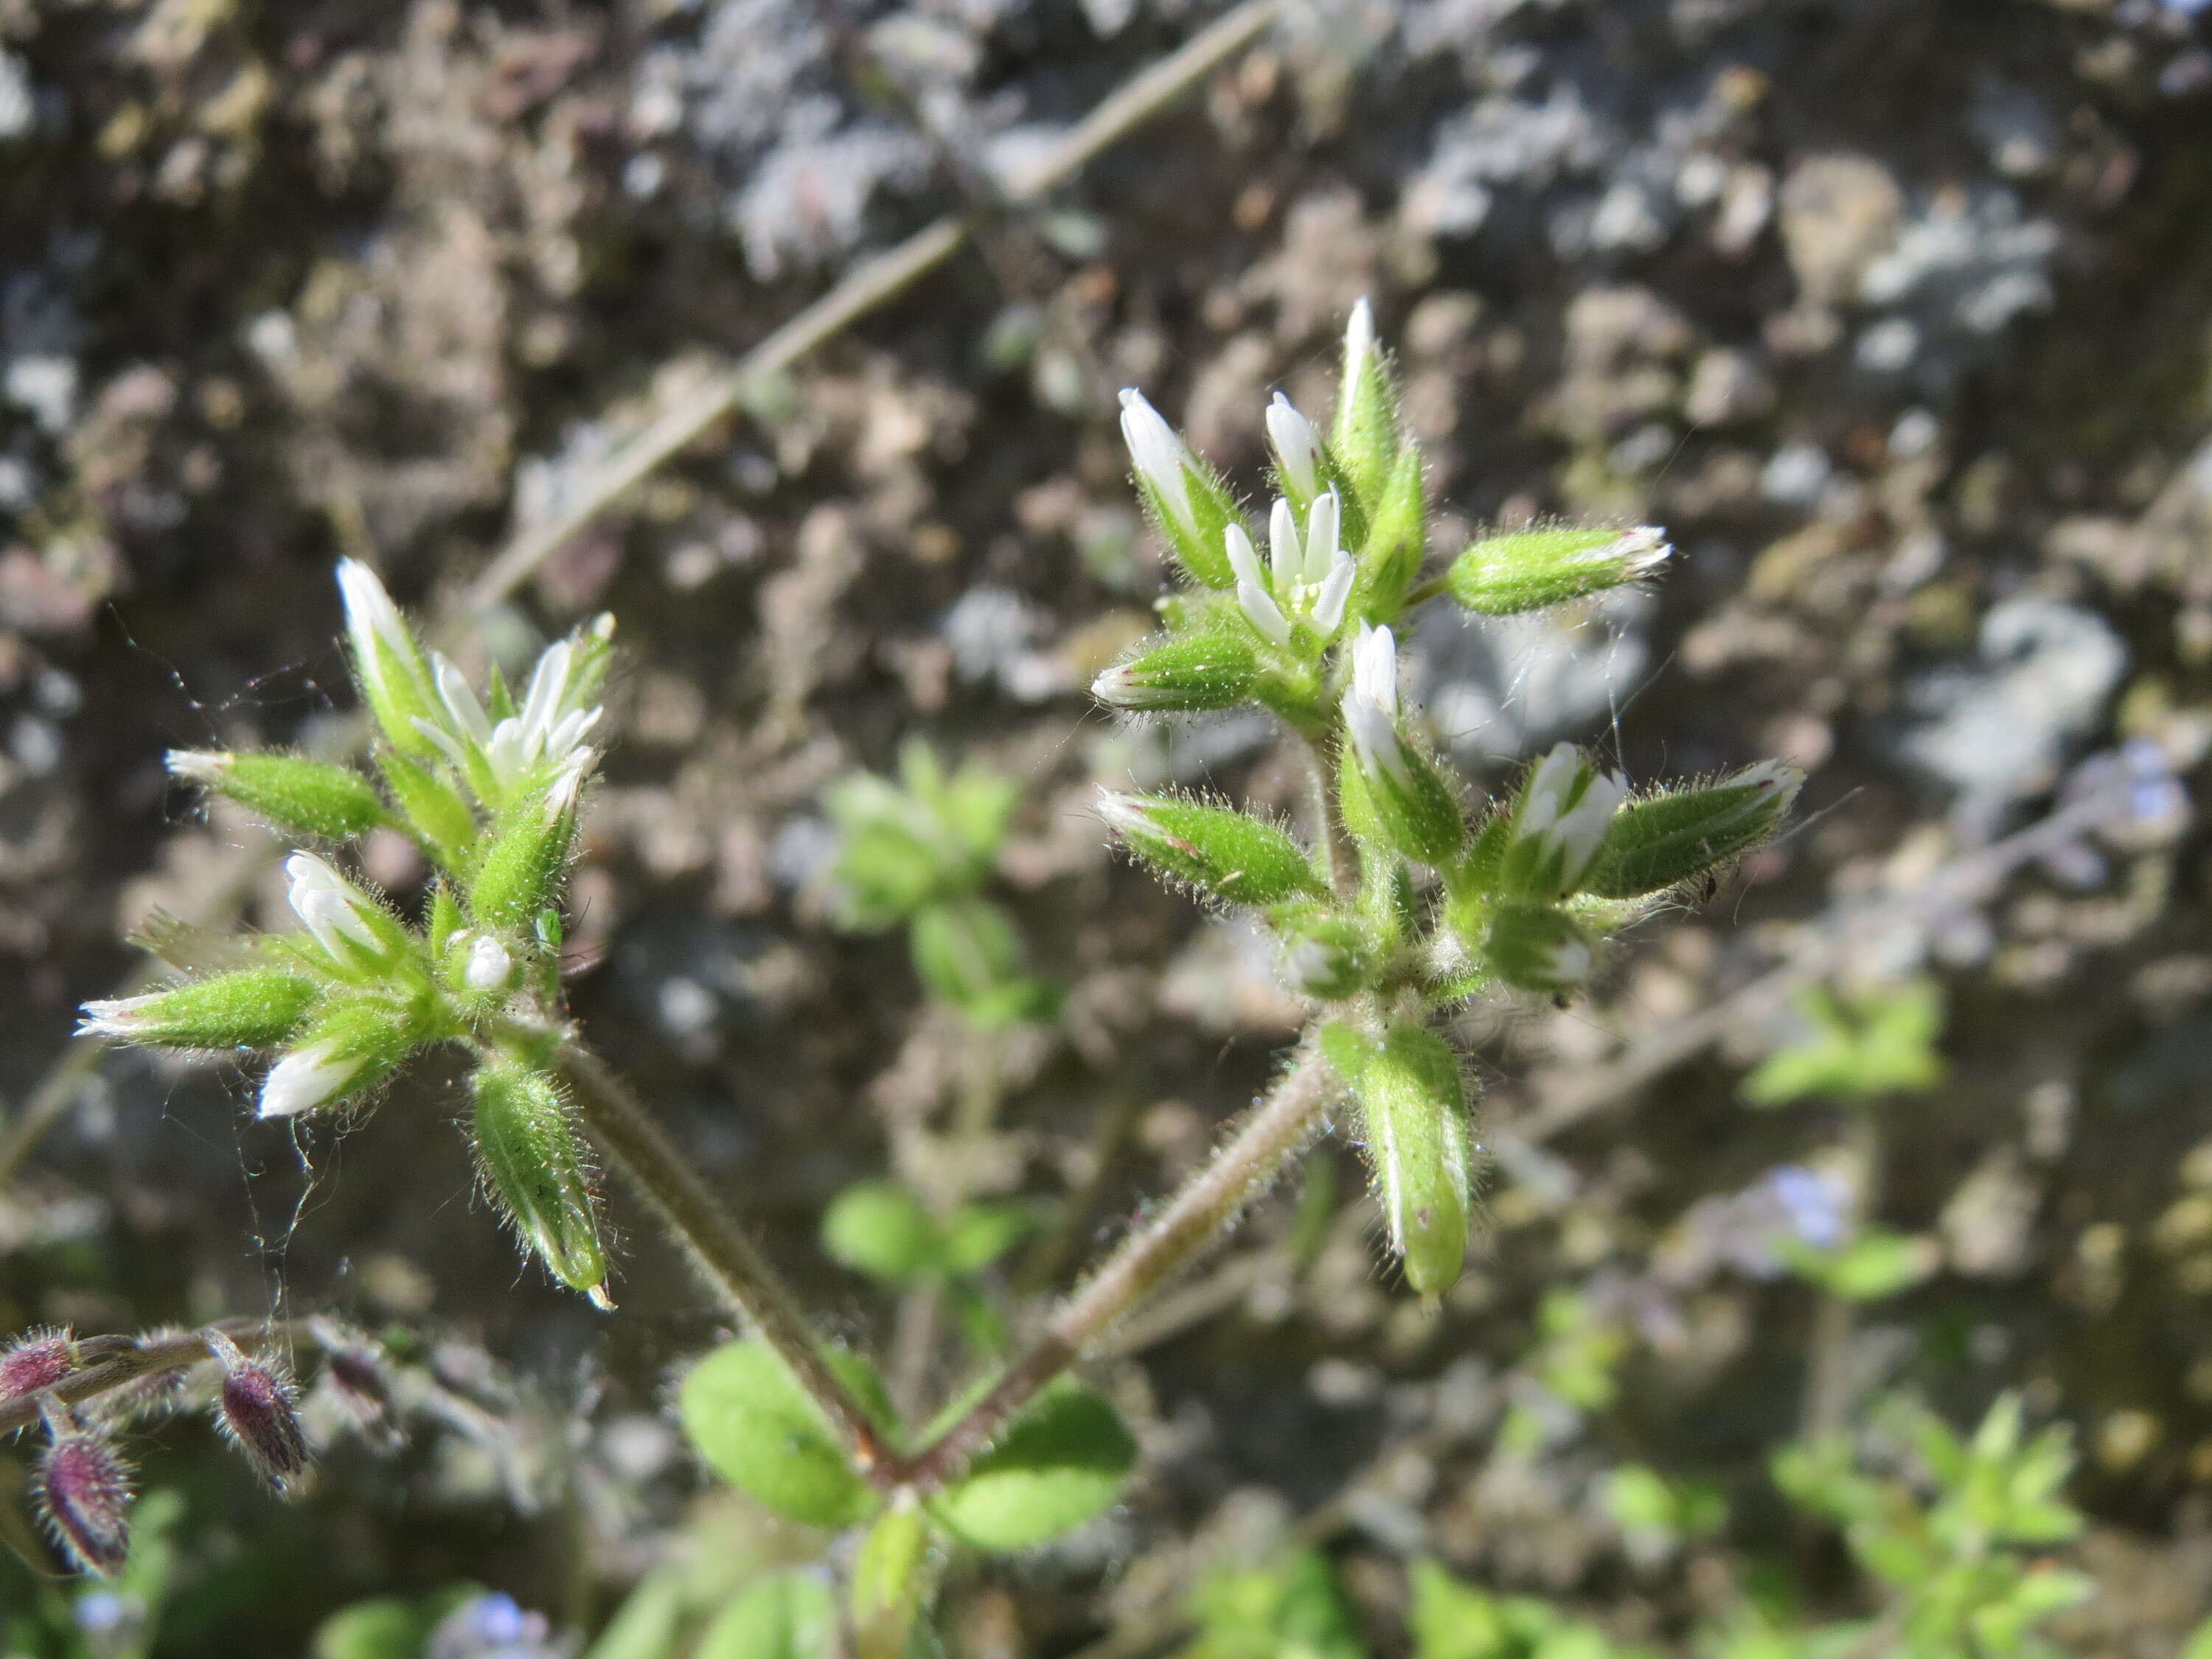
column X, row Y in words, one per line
column 1240, row 1168
column 729, row 1260
column 1328, row 812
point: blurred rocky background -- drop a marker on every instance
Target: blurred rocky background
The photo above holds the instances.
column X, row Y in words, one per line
column 1896, row 312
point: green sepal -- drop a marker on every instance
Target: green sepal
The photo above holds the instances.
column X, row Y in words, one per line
column 446, row 918
column 306, row 797
column 522, row 866
column 790, row 1615
column 1410, row 1092
column 1058, row 1464
column 1396, row 544
column 1211, row 667
column 1229, row 855
column 439, row 815
column 1665, row 840
column 1535, row 570
column 760, row 1432
column 1538, row 947
column 1203, row 550
column 1326, row 956
column 1417, row 815
column 249, row 1008
column 533, row 1167
column 401, row 699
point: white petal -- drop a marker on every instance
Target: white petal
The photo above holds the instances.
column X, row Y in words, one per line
column 469, row 716
column 1258, row 605
column 1375, row 670
column 1283, row 545
column 455, row 749
column 1328, row 603
column 115, row 1017
column 1242, row 560
column 489, row 967
column 1322, row 530
column 548, row 686
column 1544, row 798
column 1358, row 341
column 1158, row 455
column 305, row 1079
column 203, row 766
column 1298, row 450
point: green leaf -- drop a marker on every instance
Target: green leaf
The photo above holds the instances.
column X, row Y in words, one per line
column 650, row 1621
column 880, row 1229
column 1396, row 542
column 1879, row 1264
column 787, row 1615
column 1059, row 1463
column 1882, row 1043
column 385, row 1627
column 522, row 867
column 440, row 817
column 967, row 953
column 979, row 1234
column 758, row 1429
column 891, row 1579
column 1291, row 1609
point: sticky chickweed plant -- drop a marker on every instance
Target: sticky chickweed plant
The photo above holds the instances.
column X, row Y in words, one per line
column 1400, row 897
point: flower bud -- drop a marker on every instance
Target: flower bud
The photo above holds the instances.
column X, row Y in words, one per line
column 1365, row 436
column 534, row 1170
column 1234, row 858
column 1187, row 500
column 250, row 1008
column 1538, row 947
column 1299, row 466
column 1410, row 1092
column 351, row 1047
column 1531, row 569
column 36, row 1360
column 1561, row 819
column 83, row 1491
column 387, row 664
column 309, row 797
column 256, row 1412
column 522, row 867
column 1671, row 838
column 480, row 963
column 356, row 933
column 1412, row 805
column 1208, row 668
column 352, row 1377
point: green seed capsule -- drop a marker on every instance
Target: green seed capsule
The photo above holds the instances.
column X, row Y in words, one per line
column 534, row 1170
column 1410, row 1090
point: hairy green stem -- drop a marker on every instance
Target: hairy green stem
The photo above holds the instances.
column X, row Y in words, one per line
column 729, row 1260
column 1240, row 1168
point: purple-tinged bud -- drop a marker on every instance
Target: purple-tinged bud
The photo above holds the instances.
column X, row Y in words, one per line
column 256, row 1415
column 84, row 1490
column 36, row 1360
column 353, row 1377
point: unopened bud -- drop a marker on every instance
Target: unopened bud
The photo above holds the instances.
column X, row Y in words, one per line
column 1536, row 947
column 529, row 852
column 34, row 1361
column 310, row 798
column 1211, row 668
column 1533, row 569
column 1410, row 1092
column 1324, row 956
column 256, row 1411
column 356, row 932
column 488, row 967
column 1409, row 802
column 1298, row 463
column 252, row 1008
column 352, row 1046
column 1671, row 838
column 1564, row 810
column 387, row 663
column 1233, row 857
column 534, row 1170
column 1365, row 436
column 84, row 1490
column 1187, row 500
column 1396, row 541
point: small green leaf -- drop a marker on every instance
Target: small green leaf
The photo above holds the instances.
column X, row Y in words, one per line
column 1454, row 1620
column 880, row 1229
column 523, row 865
column 440, row 817
column 967, row 952
column 1061, row 1462
column 1396, row 542
column 787, row 1615
column 979, row 1234
column 1878, row 1264
column 760, row 1432
column 891, row 1579
column 385, row 1627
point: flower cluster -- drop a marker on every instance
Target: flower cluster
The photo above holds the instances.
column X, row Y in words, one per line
column 1407, row 897
column 488, row 786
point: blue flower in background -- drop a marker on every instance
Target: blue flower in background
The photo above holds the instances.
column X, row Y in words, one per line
column 493, row 1626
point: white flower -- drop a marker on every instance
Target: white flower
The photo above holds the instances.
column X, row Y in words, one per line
column 548, row 730
column 340, row 915
column 1567, row 806
column 200, row 766
column 1371, row 708
column 372, row 620
column 489, row 967
column 307, row 1078
column 1298, row 449
column 1641, row 551
column 1159, row 457
column 1254, row 594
